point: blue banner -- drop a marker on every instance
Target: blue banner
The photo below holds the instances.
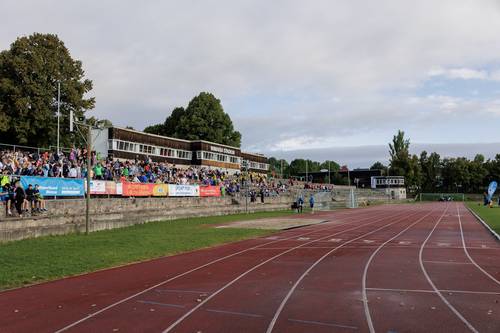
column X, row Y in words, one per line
column 60, row 187
column 491, row 189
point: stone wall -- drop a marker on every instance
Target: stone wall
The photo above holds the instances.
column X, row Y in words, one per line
column 68, row 215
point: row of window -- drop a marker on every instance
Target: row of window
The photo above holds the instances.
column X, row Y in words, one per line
column 205, row 155
column 397, row 181
column 260, row 166
column 149, row 150
column 181, row 154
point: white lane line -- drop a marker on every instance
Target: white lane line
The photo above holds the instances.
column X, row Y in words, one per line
column 367, row 265
column 244, row 314
column 433, row 292
column 162, row 304
column 312, row 322
column 447, row 262
column 467, row 252
column 445, row 301
column 295, row 285
column 227, row 285
column 91, row 315
column 181, row 291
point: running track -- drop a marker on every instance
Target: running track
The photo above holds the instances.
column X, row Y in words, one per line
column 397, row 268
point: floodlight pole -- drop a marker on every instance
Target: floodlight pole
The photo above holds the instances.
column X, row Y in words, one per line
column 58, row 112
column 89, row 165
column 329, row 179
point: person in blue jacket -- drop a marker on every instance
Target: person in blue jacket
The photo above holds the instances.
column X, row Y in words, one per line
column 311, row 203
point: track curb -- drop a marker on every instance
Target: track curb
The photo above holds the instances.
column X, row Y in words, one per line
column 493, row 232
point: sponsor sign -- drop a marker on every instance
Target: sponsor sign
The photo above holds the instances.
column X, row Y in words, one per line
column 52, row 186
column 210, row 191
column 137, row 189
column 160, row 190
column 183, row 190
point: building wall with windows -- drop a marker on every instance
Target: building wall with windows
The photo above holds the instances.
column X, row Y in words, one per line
column 130, row 144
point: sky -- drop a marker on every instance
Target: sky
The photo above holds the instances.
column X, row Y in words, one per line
column 311, row 78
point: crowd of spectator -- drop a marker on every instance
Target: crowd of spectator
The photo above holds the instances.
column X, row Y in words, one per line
column 73, row 164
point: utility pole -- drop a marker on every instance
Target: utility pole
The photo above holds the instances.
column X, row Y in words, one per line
column 58, row 112
column 348, row 177
column 329, row 179
column 89, row 165
column 307, row 176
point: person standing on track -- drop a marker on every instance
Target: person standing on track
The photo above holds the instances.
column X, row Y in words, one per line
column 300, row 204
column 311, row 203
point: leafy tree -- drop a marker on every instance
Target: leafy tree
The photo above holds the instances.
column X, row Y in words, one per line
column 203, row 119
column 275, row 166
column 399, row 151
column 332, row 165
column 29, row 73
column 379, row 166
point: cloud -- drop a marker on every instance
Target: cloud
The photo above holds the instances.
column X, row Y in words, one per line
column 290, row 73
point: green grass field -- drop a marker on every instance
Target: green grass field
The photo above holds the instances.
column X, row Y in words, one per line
column 489, row 215
column 47, row 258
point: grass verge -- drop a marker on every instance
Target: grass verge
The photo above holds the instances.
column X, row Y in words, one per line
column 47, row 258
column 489, row 215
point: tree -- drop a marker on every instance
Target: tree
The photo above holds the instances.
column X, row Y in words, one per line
column 29, row 74
column 379, row 166
column 399, row 155
column 203, row 119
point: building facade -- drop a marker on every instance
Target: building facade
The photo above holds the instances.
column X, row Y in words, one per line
column 128, row 144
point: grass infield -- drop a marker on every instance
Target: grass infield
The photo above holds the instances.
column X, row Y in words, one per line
column 489, row 215
column 48, row 258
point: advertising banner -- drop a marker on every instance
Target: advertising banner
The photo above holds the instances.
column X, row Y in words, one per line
column 491, row 189
column 183, row 191
column 96, row 186
column 137, row 189
column 52, row 186
column 160, row 190
column 210, row 191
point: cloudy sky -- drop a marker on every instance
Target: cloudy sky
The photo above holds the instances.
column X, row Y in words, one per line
column 295, row 76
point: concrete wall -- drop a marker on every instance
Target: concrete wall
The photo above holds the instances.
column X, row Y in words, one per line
column 68, row 215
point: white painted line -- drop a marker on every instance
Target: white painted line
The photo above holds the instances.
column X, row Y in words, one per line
column 433, row 292
column 181, row 291
column 93, row 314
column 244, row 314
column 368, row 316
column 368, row 241
column 448, row 262
column 162, row 304
column 443, row 244
column 445, row 301
column 312, row 322
column 303, row 238
column 335, row 240
column 187, row 314
column 492, row 278
column 404, row 243
column 493, row 232
column 295, row 285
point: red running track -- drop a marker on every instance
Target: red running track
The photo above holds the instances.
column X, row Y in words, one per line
column 396, row 268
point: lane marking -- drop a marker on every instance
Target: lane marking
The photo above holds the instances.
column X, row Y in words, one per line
column 235, row 313
column 467, row 252
column 351, row 214
column 181, row 291
column 312, row 322
column 445, row 301
column 368, row 317
column 187, row 314
column 433, row 292
column 295, row 285
column 303, row 238
column 443, row 244
column 448, row 262
column 368, row 241
column 404, row 243
column 336, row 240
column 162, row 304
